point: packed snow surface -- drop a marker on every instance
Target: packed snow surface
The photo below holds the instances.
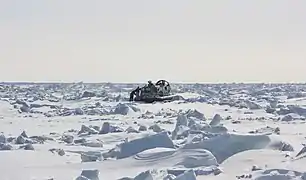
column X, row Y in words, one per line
column 91, row 132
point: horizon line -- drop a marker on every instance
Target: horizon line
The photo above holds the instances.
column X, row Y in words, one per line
column 122, row 82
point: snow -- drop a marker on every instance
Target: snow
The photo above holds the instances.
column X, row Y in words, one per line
column 91, row 132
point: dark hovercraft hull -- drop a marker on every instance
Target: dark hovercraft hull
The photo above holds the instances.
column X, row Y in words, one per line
column 160, row 99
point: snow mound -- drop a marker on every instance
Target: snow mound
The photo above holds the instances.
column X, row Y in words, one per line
column 180, row 158
column 227, row 145
column 167, row 163
column 138, row 145
column 124, row 109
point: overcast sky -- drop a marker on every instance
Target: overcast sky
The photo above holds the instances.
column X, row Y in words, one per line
column 138, row 40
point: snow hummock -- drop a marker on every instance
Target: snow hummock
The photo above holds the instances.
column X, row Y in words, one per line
column 138, row 145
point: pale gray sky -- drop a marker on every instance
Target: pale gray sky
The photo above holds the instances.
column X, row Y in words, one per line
column 137, row 40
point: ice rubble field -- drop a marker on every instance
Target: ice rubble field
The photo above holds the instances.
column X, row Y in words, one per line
column 90, row 131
